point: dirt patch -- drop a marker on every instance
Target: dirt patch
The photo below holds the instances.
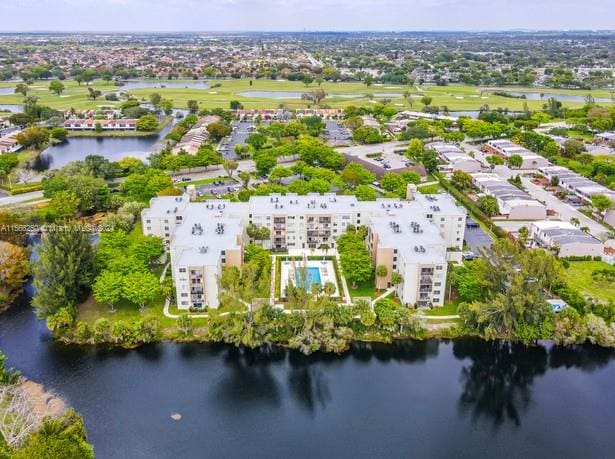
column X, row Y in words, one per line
column 43, row 402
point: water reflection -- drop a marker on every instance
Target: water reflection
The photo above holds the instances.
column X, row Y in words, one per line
column 247, row 382
column 497, row 383
column 308, row 384
column 585, row 357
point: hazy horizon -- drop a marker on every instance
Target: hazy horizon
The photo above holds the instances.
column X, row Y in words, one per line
column 293, row 16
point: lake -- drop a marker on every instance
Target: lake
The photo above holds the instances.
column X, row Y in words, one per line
column 15, row 108
column 467, row 398
column 558, row 96
column 112, row 148
column 140, row 84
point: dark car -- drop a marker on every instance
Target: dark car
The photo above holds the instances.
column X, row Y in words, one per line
column 186, row 179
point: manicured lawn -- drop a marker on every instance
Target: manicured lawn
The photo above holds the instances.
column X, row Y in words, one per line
column 579, row 277
column 429, row 189
column 366, row 289
column 448, row 309
column 455, row 97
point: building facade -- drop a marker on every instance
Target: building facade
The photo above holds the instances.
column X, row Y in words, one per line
column 413, row 238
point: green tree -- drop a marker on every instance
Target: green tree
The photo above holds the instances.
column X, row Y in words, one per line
column 108, row 288
column 365, row 193
column 64, row 204
column 184, row 323
column 391, row 181
column 601, row 202
column 141, row 288
column 426, row 100
column 57, row 87
column 142, row 186
column 230, row 166
column 381, row 273
column 415, row 149
column 515, row 161
column 22, row 88
column 355, row 174
column 489, row 205
column 147, row 123
column 193, row 106
column 34, row 136
column 256, row 140
column 64, row 271
column 59, row 133
column 218, row 131
column 461, row 180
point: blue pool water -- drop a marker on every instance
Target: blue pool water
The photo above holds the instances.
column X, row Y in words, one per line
column 312, row 277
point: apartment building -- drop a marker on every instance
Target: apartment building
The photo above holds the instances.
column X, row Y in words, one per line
column 414, row 238
column 506, row 148
column 513, row 202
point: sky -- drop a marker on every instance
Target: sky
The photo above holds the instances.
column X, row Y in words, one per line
column 311, row 15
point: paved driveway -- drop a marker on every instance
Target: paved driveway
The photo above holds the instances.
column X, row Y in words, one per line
column 476, row 238
column 565, row 211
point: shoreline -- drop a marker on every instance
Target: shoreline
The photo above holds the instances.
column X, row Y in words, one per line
column 117, row 134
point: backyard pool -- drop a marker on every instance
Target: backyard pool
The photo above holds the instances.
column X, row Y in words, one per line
column 312, row 277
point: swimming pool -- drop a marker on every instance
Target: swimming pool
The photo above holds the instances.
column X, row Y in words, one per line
column 312, row 277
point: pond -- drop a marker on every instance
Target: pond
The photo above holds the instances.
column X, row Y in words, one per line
column 15, row 108
column 558, row 96
column 175, row 84
column 288, row 94
column 432, row 398
column 4, row 91
column 112, row 148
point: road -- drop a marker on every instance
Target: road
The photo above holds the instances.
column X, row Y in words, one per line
column 565, row 211
column 19, row 198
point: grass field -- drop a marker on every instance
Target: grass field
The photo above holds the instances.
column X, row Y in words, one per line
column 456, row 97
column 579, row 277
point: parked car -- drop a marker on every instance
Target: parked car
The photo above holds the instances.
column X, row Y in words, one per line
column 186, row 179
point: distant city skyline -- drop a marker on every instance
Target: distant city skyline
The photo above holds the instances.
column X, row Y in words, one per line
column 293, row 15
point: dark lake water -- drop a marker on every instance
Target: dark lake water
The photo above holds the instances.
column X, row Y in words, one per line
column 428, row 399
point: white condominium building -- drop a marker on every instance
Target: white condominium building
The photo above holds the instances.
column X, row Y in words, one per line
column 412, row 238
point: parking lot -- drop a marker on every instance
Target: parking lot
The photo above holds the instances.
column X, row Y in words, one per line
column 216, row 188
column 475, row 236
column 241, row 130
column 336, row 133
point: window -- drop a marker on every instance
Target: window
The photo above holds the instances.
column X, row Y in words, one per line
column 184, row 294
column 182, row 270
column 436, row 292
column 438, row 268
column 429, row 216
column 184, row 302
column 148, row 221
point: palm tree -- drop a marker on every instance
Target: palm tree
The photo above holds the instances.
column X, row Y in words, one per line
column 381, row 273
column 4, row 174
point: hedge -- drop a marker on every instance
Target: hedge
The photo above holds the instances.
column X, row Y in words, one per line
column 471, row 206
